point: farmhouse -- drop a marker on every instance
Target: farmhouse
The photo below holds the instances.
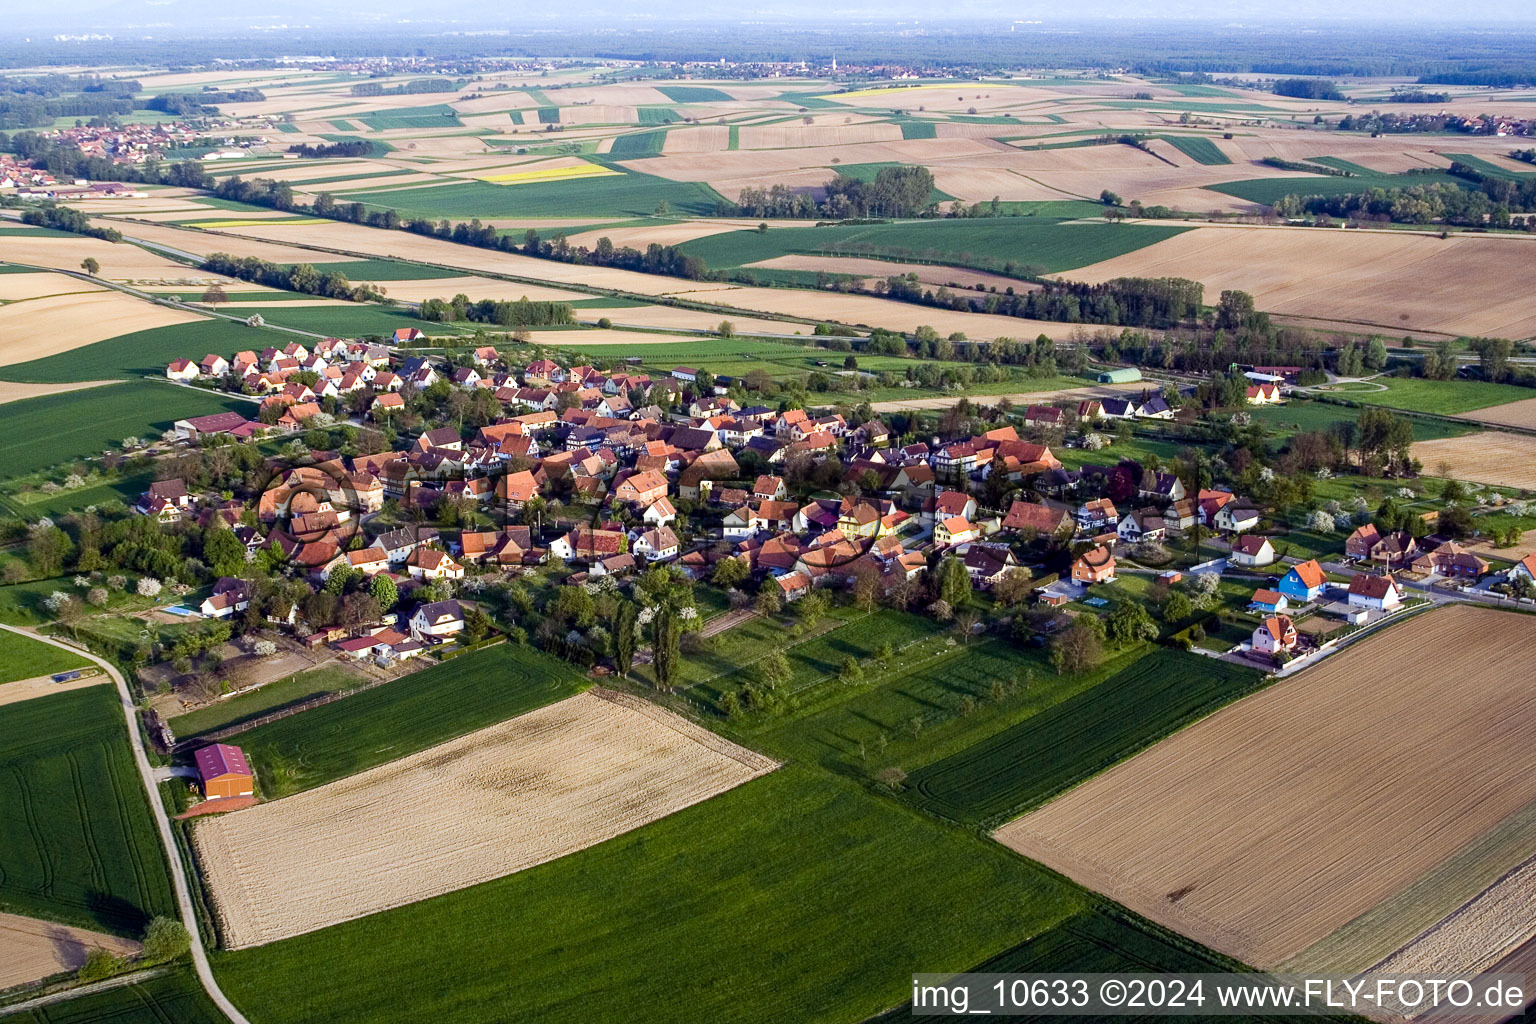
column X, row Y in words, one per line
column 223, row 772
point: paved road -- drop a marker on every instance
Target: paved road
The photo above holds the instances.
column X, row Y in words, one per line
column 167, row 840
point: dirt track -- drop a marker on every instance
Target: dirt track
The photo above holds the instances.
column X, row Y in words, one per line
column 497, row 801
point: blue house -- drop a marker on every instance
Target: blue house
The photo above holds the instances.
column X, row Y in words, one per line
column 1268, row 602
column 1305, row 581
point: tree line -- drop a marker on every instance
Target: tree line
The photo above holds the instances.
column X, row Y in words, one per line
column 1307, row 89
column 904, row 191
column 200, row 104
column 61, row 218
column 1124, row 301
column 300, row 277
column 1490, row 203
column 519, row 313
column 414, row 87
column 346, row 147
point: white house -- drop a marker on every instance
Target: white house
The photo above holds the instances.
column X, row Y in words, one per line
column 1378, row 592
column 1234, row 517
column 655, row 545
column 1252, row 551
column 1275, row 633
column 440, row 618
column 181, row 369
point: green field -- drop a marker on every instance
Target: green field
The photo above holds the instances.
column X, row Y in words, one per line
column 656, row 115
column 296, row 688
column 142, row 353
column 381, row 270
column 83, row 424
column 693, row 94
column 174, row 998
column 439, row 116
column 353, row 320
column 630, row 194
column 919, row 129
column 1491, row 169
column 1297, row 415
column 793, row 898
column 637, row 144
column 24, row 658
column 1046, row 244
column 549, row 115
column 1198, row 148
column 388, row 722
column 1029, row 762
column 31, row 505
column 1445, row 397
column 1270, row 190
column 77, row 843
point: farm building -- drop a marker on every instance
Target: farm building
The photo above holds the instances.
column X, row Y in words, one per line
column 223, row 772
column 1120, row 375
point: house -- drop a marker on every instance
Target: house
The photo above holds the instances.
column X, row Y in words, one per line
column 181, row 369
column 230, row 595
column 1263, row 394
column 1042, row 519
column 1251, row 551
column 1275, row 634
column 166, row 500
column 1453, row 560
column 1097, row 515
column 860, row 520
column 1236, row 517
column 1523, row 569
column 1119, row 408
column 1090, row 410
column 655, row 545
column 385, row 404
column 1358, row 544
column 948, row 504
column 644, row 488
column 1379, row 592
column 1268, row 601
column 213, row 366
column 1164, row 488
column 1144, row 524
column 406, row 335
column 793, row 585
column 223, row 772
column 431, row 564
column 440, row 618
column 1096, row 566
column 685, row 373
column 659, row 513
column 769, row 488
column 1304, row 582
column 1044, row 416
column 1155, row 408
column 986, row 564
column 952, row 531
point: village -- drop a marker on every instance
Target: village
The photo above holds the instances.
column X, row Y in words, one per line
column 584, row 478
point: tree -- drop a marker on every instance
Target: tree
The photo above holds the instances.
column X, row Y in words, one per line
column 1129, row 623
column 953, row 585
column 811, row 607
column 90, row 266
column 384, row 591
column 1234, row 310
column 1079, row 647
column 625, row 621
column 1376, row 352
column 726, row 329
column 666, row 640
column 730, row 572
column 215, row 294
column 99, row 965
column 165, row 939
column 769, row 601
column 663, row 209
column 223, row 552
column 1109, row 198
column 771, row 670
column 1177, row 608
column 1013, row 587
column 850, row 672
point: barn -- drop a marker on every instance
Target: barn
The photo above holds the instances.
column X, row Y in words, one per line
column 223, row 771
column 1120, row 375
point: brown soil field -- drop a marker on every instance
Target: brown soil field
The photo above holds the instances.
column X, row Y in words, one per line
column 707, row 138
column 1270, row 824
column 1497, row 921
column 1524, row 546
column 31, row 950
column 597, row 113
column 202, row 243
column 662, row 234
column 802, row 136
column 12, row 392
column 44, row 327
column 26, row 689
column 1490, row 457
column 663, row 317
column 476, row 288
column 1092, row 391
column 14, row 287
column 871, row 268
column 499, row 800
column 1474, row 285
column 1513, row 414
column 118, row 262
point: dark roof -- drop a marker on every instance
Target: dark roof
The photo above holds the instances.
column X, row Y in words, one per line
column 439, row 609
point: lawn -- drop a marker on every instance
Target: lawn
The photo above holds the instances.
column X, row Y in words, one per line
column 83, row 424
column 98, row 490
column 1297, row 416
column 143, row 352
column 1268, row 191
column 1040, row 756
column 630, row 194
column 279, row 693
column 794, row 898
column 388, row 722
column 1199, row 149
column 693, row 94
column 1444, row 397
column 1045, row 244
column 77, row 843
column 174, row 998
column 24, row 658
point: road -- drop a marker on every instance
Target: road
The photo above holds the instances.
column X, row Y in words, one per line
column 120, row 981
column 167, row 840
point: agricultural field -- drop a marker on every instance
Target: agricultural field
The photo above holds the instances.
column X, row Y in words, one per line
column 83, row 424
column 1298, row 415
column 400, row 718
column 493, row 802
column 1268, row 191
column 31, row 950
column 77, row 845
column 1491, row 457
column 1517, row 413
column 1442, row 397
column 24, row 658
column 1324, row 798
column 143, row 353
column 172, row 998
column 1042, row 755
column 629, row 194
column 857, row 884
